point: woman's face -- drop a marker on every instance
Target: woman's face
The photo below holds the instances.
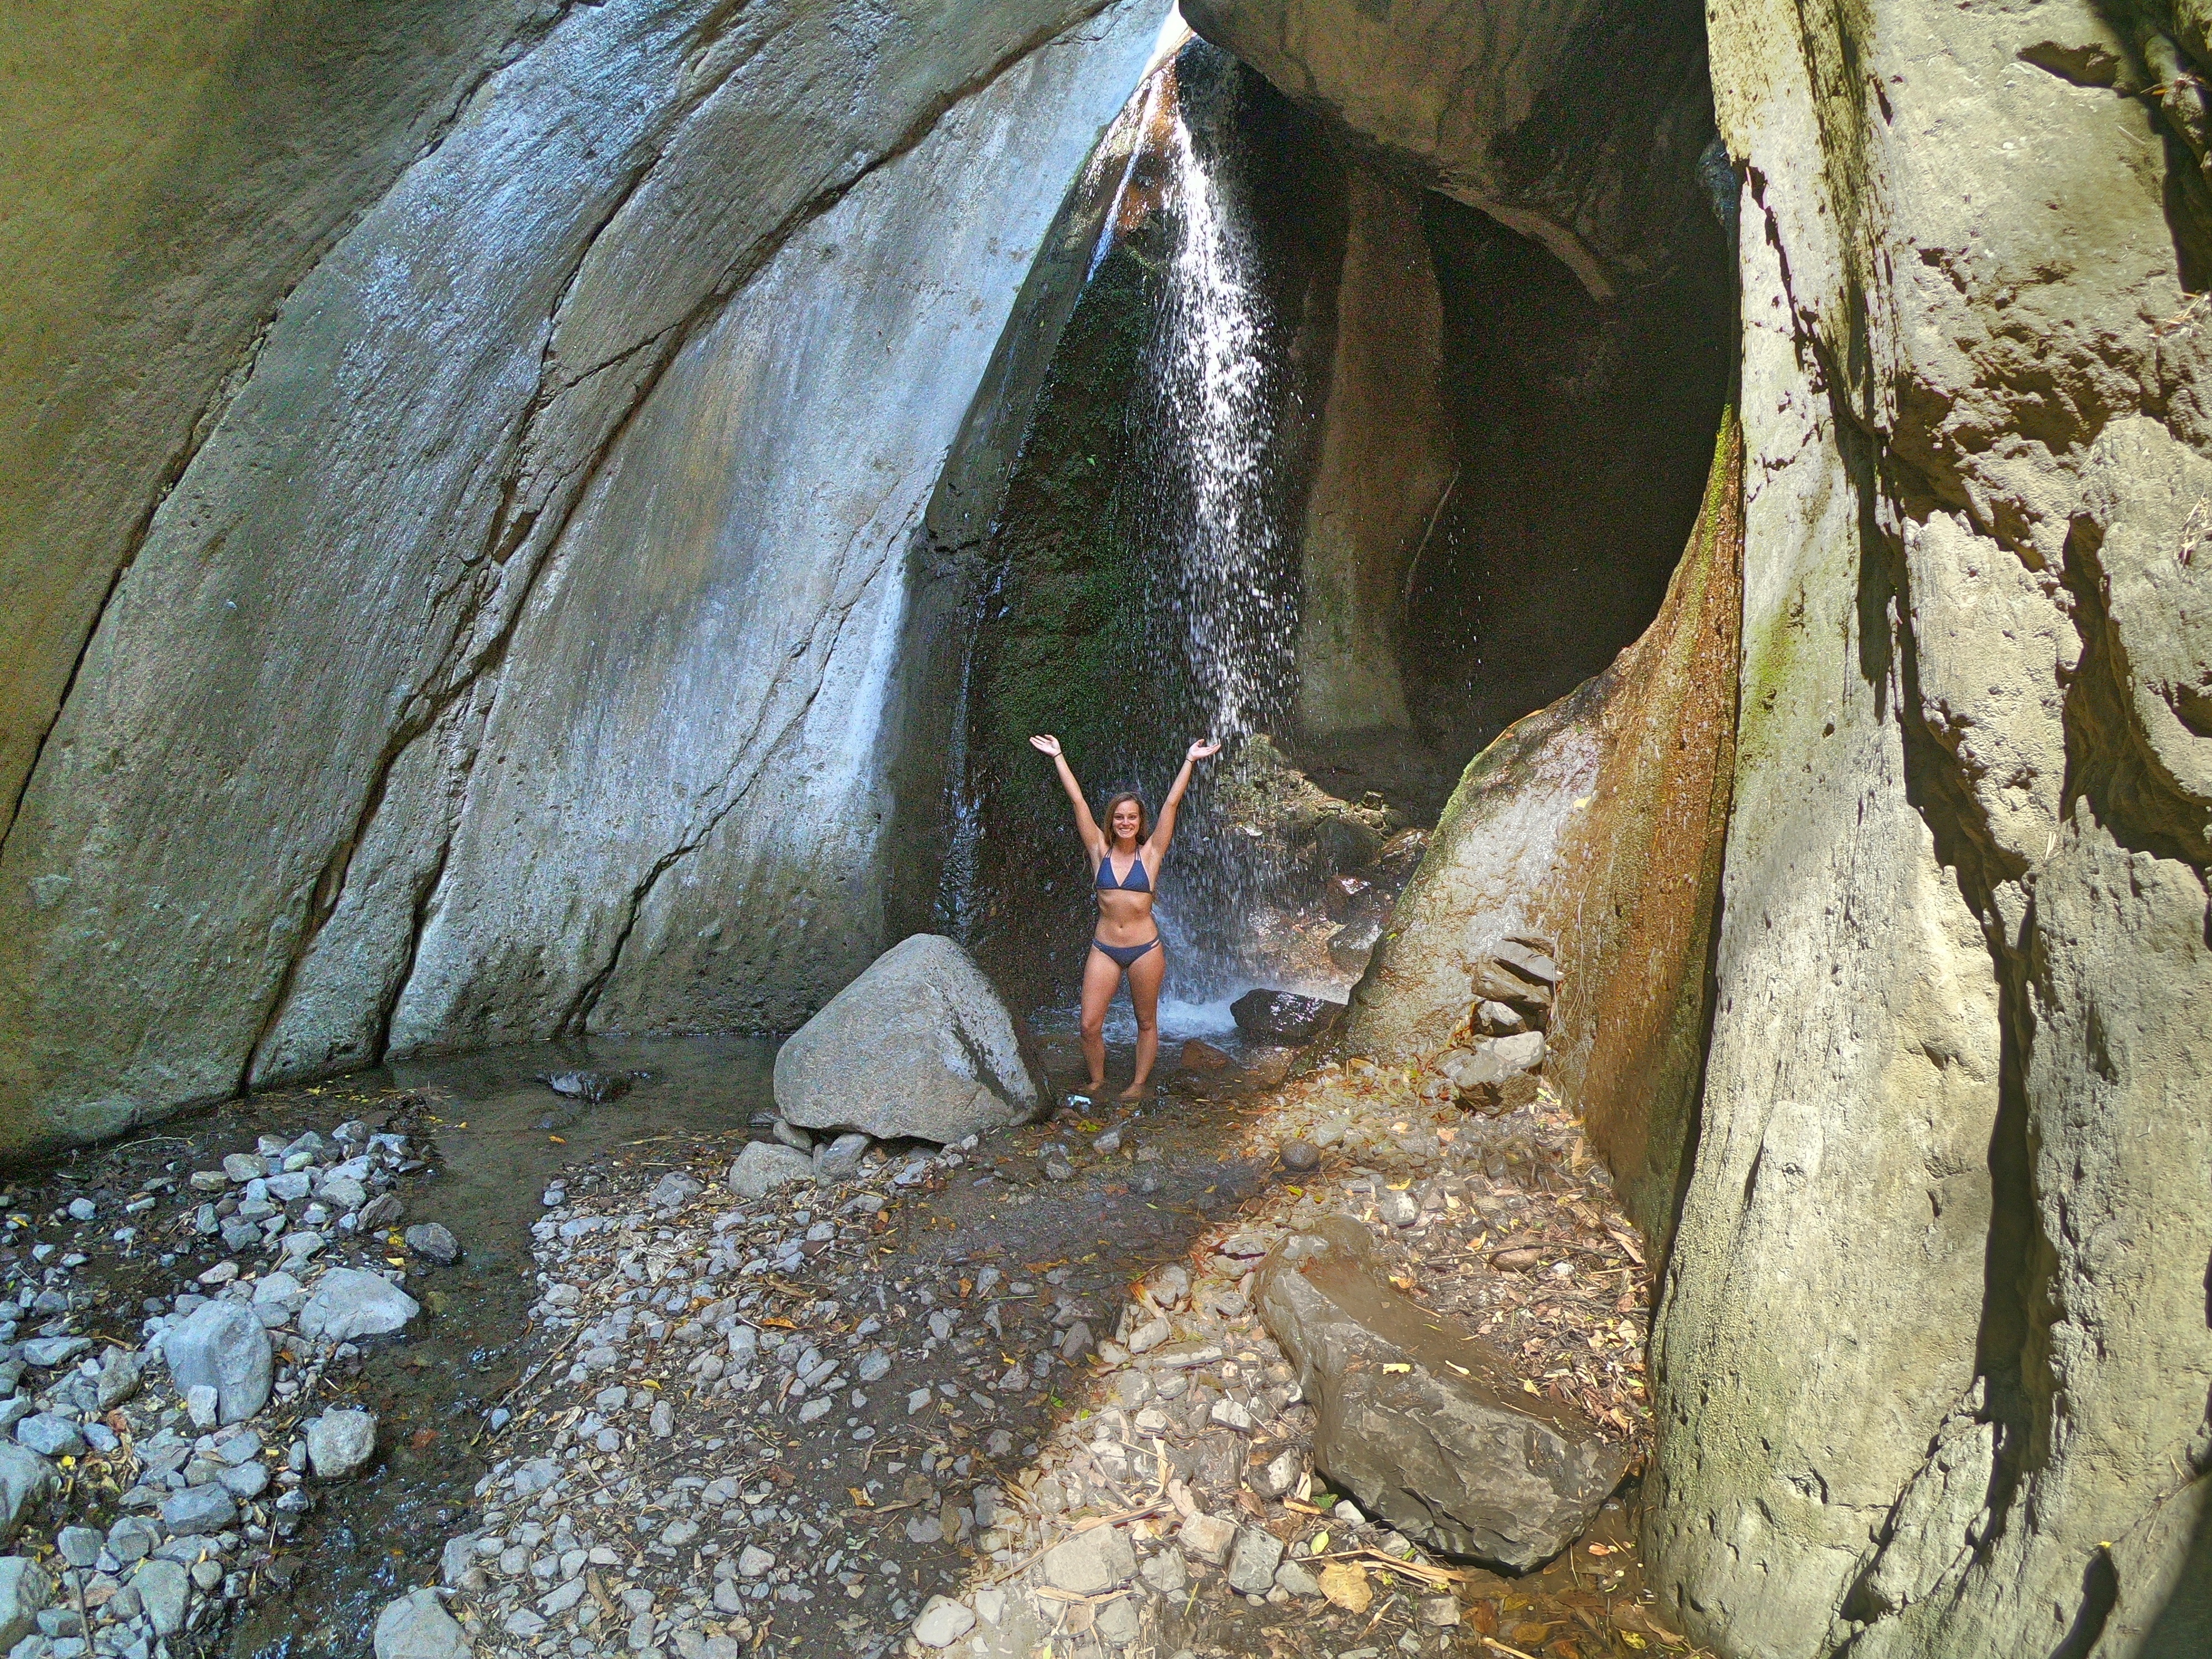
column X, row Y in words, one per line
column 1126, row 820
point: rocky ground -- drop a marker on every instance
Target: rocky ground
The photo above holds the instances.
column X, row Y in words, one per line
column 990, row 1400
column 1014, row 1398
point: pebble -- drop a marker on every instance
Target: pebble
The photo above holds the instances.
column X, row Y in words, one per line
column 340, row 1443
column 427, row 1238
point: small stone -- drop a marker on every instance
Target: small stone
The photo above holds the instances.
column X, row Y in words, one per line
column 1252, row 1564
column 1439, row 1611
column 385, row 1210
column 203, row 1404
column 1399, row 1209
column 754, row 1562
column 163, row 1592
column 80, row 1545
column 943, row 1622
column 1300, row 1157
column 1208, row 1537
column 242, row 1167
column 875, row 1364
column 1295, row 1580
column 25, row 1591
column 662, row 1420
column 48, row 1351
column 349, row 1304
column 1232, row 1415
column 416, row 1626
column 49, row 1436
column 523, row 1624
column 198, row 1509
column 427, row 1238
column 83, row 1209
column 223, row 1345
column 674, row 1190
column 763, row 1166
column 1109, row 1143
column 1279, row 1473
column 340, row 1441
column 1100, row 1559
column 1118, row 1623
column 1166, row 1571
column 1169, row 1286
column 24, row 1475
column 834, row 1160
column 1059, row 1170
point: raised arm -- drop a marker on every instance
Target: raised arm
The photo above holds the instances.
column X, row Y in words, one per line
column 1086, row 825
column 1163, row 831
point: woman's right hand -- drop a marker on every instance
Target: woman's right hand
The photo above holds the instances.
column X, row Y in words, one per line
column 1046, row 742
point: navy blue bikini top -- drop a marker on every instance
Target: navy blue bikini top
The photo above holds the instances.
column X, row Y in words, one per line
column 1135, row 881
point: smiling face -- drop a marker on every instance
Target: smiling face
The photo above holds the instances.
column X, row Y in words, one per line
column 1127, row 820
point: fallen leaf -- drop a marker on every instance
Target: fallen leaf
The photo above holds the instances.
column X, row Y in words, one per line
column 1346, row 1587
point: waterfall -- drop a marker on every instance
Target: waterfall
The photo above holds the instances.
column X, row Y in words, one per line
column 1220, row 567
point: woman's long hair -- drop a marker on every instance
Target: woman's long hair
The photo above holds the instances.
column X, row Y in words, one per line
column 1143, row 818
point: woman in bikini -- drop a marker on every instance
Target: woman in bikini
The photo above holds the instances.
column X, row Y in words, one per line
column 1125, row 863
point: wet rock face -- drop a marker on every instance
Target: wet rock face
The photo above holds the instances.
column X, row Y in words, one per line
column 1424, row 1424
column 1576, row 125
column 1915, row 1392
column 536, row 585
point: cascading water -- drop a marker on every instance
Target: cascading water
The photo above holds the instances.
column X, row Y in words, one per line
column 1221, row 584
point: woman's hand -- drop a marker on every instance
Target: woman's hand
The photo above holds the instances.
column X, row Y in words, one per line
column 1204, row 749
column 1049, row 745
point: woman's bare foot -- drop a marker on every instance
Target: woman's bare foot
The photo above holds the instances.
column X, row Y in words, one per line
column 1134, row 1091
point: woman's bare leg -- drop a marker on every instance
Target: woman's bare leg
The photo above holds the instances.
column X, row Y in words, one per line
column 1144, row 975
column 1100, row 976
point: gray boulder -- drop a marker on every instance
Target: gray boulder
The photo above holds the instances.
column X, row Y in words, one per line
column 24, row 1589
column 416, row 1626
column 919, row 1045
column 1426, row 1425
column 24, row 1475
column 764, row 1166
column 340, row 1441
column 349, row 1304
column 222, row 1345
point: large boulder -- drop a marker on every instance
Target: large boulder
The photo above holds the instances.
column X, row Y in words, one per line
column 1425, row 1424
column 919, row 1045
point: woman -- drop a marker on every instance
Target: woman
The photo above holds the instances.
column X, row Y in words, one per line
column 1125, row 865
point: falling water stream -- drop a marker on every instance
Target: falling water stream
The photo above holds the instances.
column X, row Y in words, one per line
column 1221, row 588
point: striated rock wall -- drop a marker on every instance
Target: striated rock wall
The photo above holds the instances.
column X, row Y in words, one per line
column 1934, row 1361
column 560, row 510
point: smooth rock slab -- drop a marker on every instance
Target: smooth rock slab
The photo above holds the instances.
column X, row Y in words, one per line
column 1449, row 1450
column 224, row 1347
column 340, row 1441
column 919, row 1045
column 349, row 1304
column 416, row 1626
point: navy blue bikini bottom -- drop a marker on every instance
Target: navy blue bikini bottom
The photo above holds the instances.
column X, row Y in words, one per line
column 1123, row 954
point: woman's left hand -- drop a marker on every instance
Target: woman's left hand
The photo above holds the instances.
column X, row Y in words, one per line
column 1205, row 748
